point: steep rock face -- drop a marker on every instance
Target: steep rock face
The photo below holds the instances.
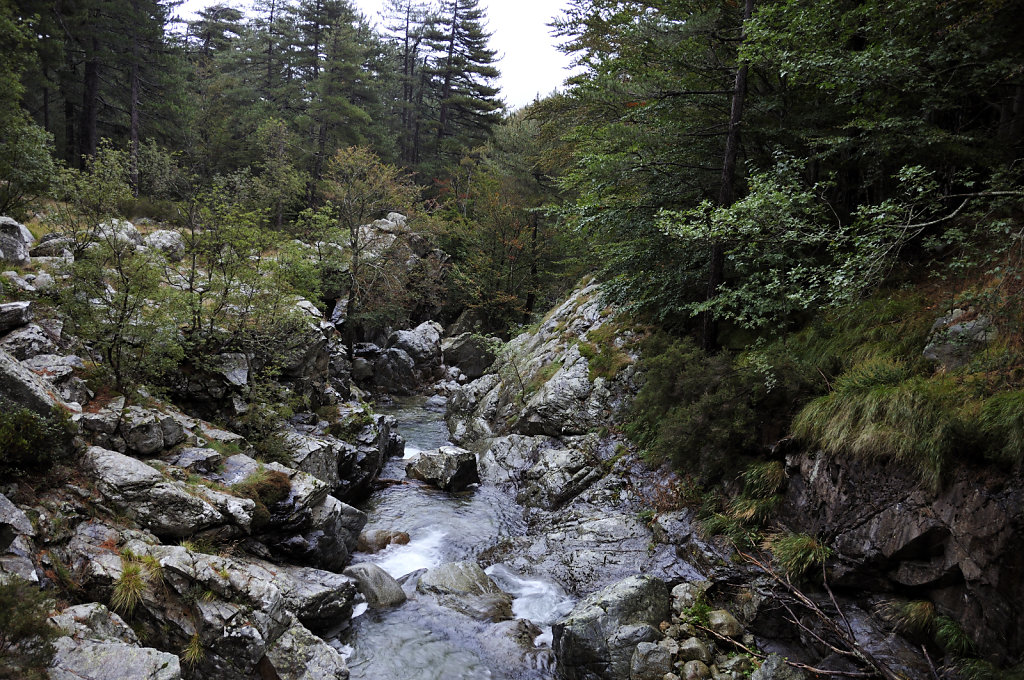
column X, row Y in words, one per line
column 541, row 383
column 962, row 547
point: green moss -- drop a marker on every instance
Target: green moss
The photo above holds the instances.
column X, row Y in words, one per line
column 605, row 357
column 349, row 427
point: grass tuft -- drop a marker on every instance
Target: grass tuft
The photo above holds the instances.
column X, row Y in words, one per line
column 797, row 554
column 193, row 653
column 128, row 588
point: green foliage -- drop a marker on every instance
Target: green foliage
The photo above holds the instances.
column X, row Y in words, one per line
column 605, row 358
column 953, row 639
column 194, row 652
column 349, row 427
column 763, row 480
column 797, row 554
column 128, row 587
column 25, row 635
column 880, row 410
column 694, row 410
column 29, row 441
column 265, row 487
column 1002, row 423
column 26, row 168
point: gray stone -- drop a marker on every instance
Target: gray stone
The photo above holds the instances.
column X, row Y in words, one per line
column 168, row 242
column 90, row 660
column 120, row 231
column 13, row 522
column 465, row 587
column 52, row 245
column 14, row 315
column 28, row 342
column 598, row 637
column 44, row 281
column 395, row 371
column 692, row 649
column 379, row 588
column 695, row 670
column 687, row 594
column 776, row 668
column 93, row 621
column 724, row 623
column 650, row 661
column 196, row 459
column 17, row 281
column 142, row 431
column 449, row 468
column 472, row 354
column 22, row 386
column 958, row 336
column 299, row 655
column 15, row 242
column 320, row 599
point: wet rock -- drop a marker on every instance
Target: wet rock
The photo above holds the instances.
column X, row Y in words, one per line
column 650, row 661
column 299, row 655
column 960, row 547
column 14, row 315
column 168, row 242
column 449, row 468
column 394, row 371
column 724, row 623
column 559, row 475
column 423, row 345
column 512, row 644
column 321, row 600
column 465, row 587
column 598, row 638
column 472, row 354
column 776, row 668
column 375, row 540
column 695, row 670
column 379, row 588
column 687, row 594
column 692, row 649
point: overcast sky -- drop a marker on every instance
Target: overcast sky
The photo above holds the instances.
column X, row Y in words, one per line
column 530, row 63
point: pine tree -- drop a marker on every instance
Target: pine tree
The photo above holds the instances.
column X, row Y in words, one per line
column 462, row 71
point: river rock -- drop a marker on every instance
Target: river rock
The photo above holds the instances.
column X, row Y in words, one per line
column 650, row 661
column 598, row 638
column 375, row 540
column 168, row 242
column 299, row 655
column 379, row 588
column 449, row 468
column 724, row 623
column 776, row 668
column 394, row 371
column 423, row 345
column 472, row 354
column 465, row 587
column 14, row 315
column 692, row 649
column 696, row 670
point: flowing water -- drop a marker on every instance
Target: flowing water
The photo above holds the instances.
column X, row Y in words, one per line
column 420, row 640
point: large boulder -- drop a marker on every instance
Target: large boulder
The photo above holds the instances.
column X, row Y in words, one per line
column 599, row 637
column 473, row 354
column 28, row 340
column 99, row 645
column 21, row 386
column 394, row 371
column 961, row 547
column 14, row 315
column 465, row 587
column 449, row 468
column 118, row 231
column 378, row 587
column 299, row 655
column 168, row 242
column 15, row 242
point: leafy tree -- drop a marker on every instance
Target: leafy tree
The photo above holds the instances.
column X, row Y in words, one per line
column 362, row 188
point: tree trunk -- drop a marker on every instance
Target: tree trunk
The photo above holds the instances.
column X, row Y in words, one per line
column 531, row 296
column 87, row 138
column 442, row 120
column 727, row 191
column 134, row 115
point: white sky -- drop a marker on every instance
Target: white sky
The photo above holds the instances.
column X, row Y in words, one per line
column 530, row 64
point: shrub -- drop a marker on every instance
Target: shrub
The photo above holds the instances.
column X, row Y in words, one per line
column 797, row 554
column 25, row 635
column 694, row 410
column 265, row 488
column 29, row 441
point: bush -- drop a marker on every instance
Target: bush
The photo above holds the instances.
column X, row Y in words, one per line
column 25, row 635
column 265, row 487
column 694, row 410
column 29, row 441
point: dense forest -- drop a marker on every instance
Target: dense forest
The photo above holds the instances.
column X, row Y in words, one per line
column 790, row 198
